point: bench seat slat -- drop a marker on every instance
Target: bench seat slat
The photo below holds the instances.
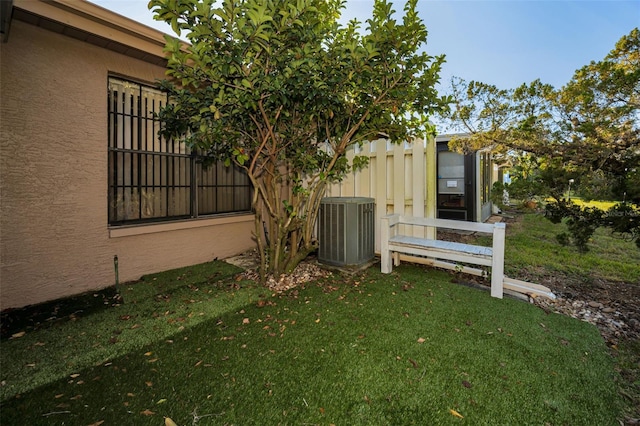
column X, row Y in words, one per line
column 443, row 245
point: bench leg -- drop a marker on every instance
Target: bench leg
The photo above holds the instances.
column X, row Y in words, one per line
column 385, row 262
column 385, row 253
column 497, row 281
column 497, row 263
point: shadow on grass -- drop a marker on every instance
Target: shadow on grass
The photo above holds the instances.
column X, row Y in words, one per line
column 56, row 339
column 37, row 317
column 404, row 348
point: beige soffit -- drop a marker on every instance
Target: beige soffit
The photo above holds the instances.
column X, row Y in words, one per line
column 93, row 24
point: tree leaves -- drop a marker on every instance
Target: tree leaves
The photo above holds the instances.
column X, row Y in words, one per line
column 281, row 90
column 588, row 130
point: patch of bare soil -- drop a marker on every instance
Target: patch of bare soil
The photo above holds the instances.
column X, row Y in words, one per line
column 614, row 307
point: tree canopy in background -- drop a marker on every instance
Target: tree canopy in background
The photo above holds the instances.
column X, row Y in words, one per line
column 587, row 132
column 281, row 89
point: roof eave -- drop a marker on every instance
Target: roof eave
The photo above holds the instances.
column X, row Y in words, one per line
column 94, row 24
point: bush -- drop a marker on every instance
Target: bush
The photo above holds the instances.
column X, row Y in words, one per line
column 623, row 219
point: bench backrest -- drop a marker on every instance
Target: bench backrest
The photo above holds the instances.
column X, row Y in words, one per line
column 488, row 228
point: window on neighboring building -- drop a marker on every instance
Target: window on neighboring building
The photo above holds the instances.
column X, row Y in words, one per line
column 451, row 180
column 152, row 178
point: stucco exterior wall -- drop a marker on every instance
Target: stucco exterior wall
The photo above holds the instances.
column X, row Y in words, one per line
column 54, row 237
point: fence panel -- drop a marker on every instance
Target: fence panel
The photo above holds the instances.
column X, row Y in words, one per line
column 397, row 178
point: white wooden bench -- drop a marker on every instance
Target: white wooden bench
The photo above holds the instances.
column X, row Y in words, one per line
column 392, row 243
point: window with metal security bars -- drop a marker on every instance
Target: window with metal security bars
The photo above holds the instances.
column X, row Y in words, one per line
column 152, row 178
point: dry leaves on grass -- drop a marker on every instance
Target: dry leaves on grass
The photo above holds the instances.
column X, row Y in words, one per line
column 456, row 414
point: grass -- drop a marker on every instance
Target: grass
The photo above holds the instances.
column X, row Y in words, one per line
column 405, row 348
column 602, row 205
column 155, row 308
column 532, row 250
column 612, row 263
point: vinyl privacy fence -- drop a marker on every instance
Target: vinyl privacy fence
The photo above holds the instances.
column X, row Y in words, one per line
column 400, row 178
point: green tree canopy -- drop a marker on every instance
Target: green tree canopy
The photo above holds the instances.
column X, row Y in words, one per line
column 281, row 89
column 586, row 133
column 588, row 130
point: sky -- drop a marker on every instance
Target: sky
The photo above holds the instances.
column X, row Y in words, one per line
column 500, row 42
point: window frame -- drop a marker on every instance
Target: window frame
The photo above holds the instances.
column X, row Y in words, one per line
column 155, row 180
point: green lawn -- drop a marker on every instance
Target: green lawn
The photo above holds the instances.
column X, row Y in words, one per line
column 373, row 349
column 155, row 308
column 533, row 251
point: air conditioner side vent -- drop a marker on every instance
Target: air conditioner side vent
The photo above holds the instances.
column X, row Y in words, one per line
column 346, row 227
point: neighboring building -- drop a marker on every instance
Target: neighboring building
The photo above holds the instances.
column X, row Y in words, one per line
column 464, row 183
column 84, row 175
column 421, row 178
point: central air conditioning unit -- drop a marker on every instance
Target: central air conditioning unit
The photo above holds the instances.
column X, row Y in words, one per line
column 346, row 230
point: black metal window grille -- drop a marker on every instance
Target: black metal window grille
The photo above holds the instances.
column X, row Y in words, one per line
column 152, row 178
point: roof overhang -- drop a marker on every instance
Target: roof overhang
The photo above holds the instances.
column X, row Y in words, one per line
column 6, row 8
column 93, row 24
column 448, row 136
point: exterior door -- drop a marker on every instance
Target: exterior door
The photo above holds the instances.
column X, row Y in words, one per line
column 455, row 185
